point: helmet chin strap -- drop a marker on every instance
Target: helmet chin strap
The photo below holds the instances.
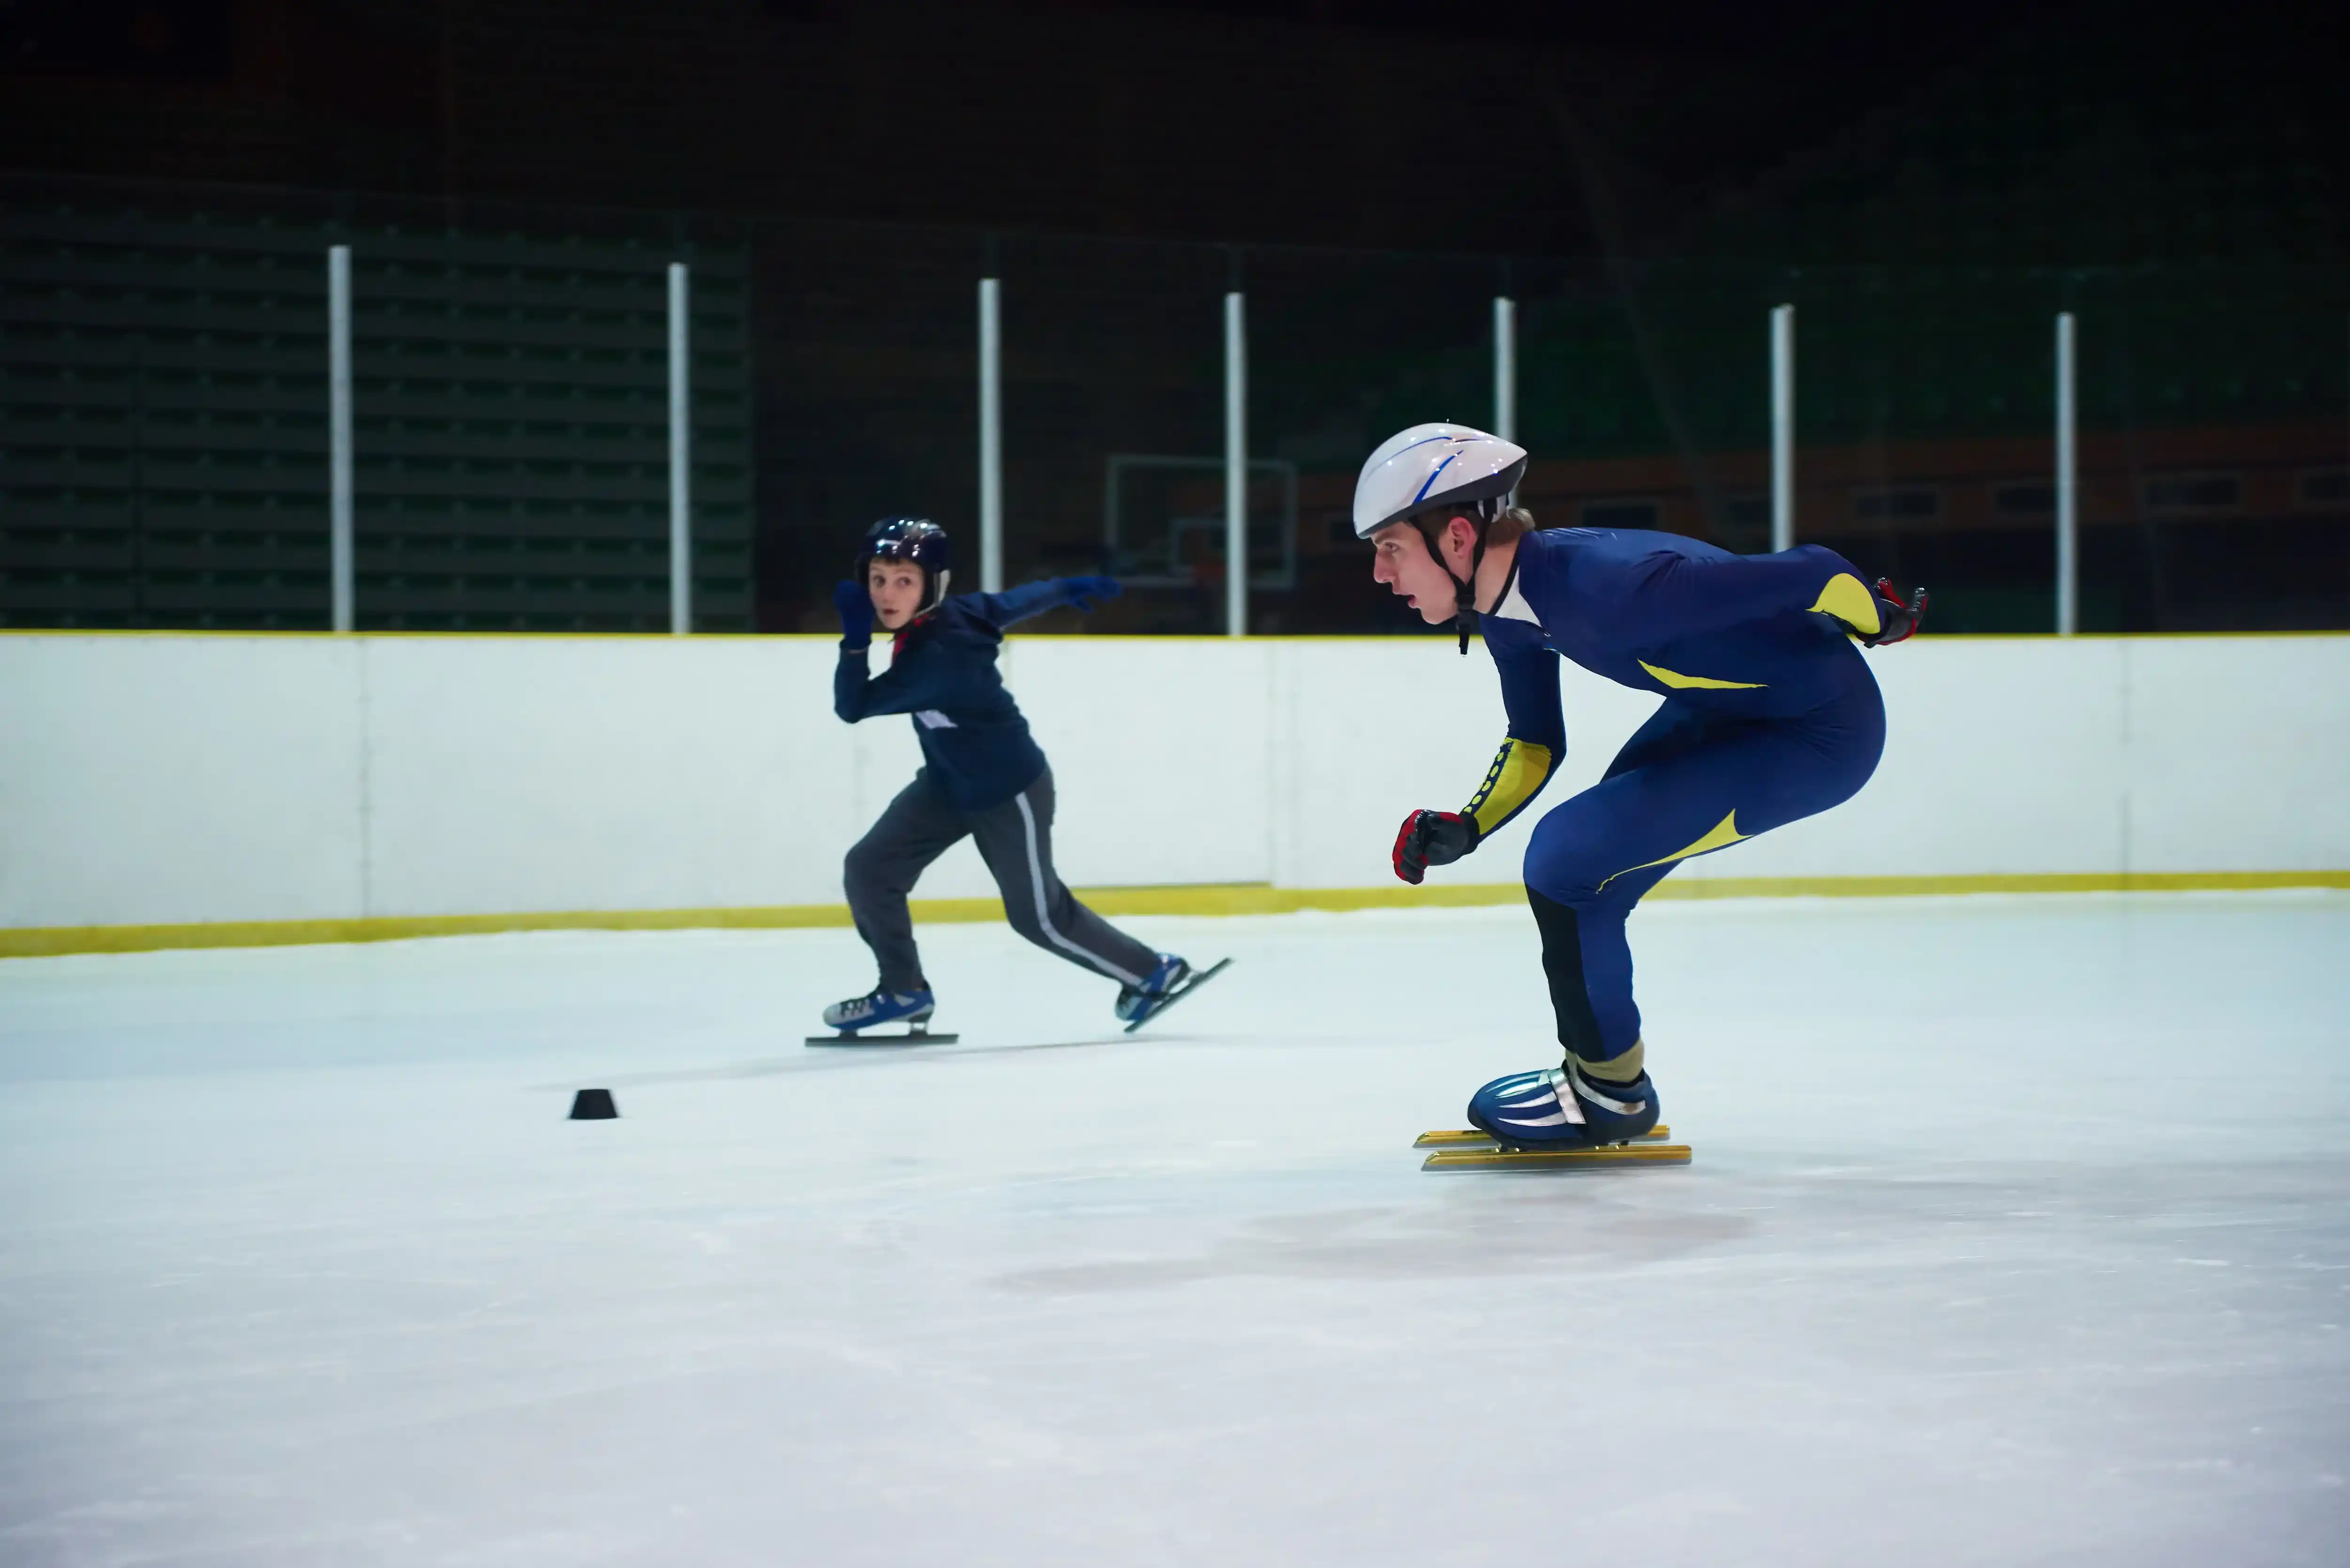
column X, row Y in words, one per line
column 1464, row 614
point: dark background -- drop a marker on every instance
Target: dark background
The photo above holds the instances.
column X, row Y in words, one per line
column 1927, row 184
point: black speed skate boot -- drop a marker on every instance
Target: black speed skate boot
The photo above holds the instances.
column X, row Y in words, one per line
column 1563, row 1107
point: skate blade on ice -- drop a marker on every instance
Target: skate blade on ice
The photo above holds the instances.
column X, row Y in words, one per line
column 917, row 1034
column 1497, row 1158
column 1471, row 1138
column 1197, row 978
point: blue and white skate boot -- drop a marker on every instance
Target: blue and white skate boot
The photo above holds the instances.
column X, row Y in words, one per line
column 879, row 1007
column 1136, row 1003
column 1562, row 1108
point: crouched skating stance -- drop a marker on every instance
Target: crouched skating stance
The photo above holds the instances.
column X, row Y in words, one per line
column 1770, row 714
column 982, row 775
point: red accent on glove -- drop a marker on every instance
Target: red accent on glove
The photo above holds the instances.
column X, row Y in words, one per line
column 1906, row 618
column 1432, row 838
column 1410, row 860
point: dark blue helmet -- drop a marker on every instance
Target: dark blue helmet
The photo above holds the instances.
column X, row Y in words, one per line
column 915, row 539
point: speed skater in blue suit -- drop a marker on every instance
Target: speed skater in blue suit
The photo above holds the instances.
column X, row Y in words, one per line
column 1770, row 715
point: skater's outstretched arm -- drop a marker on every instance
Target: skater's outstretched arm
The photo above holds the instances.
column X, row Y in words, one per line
column 918, row 680
column 1656, row 596
column 1015, row 605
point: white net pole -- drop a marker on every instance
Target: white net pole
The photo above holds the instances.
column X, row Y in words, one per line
column 1782, row 427
column 341, row 543
column 2068, row 559
column 991, row 436
column 1236, row 465
column 681, row 456
column 1505, row 367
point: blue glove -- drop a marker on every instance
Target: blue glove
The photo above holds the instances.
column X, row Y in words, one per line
column 856, row 608
column 1087, row 592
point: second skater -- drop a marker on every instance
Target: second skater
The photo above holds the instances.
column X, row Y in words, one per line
column 983, row 776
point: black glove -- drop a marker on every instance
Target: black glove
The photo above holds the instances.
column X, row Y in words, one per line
column 1895, row 620
column 856, row 606
column 1087, row 592
column 1432, row 838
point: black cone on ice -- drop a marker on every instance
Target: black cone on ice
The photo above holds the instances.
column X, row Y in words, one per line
column 593, row 1106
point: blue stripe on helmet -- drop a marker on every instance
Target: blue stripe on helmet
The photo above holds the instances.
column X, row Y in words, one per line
column 1431, row 478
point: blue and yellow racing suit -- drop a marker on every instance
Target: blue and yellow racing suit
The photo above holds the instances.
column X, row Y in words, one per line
column 1770, row 715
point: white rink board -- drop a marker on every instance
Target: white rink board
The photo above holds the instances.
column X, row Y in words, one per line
column 178, row 779
column 2003, row 756
column 163, row 778
column 570, row 775
column 1160, row 751
column 2238, row 751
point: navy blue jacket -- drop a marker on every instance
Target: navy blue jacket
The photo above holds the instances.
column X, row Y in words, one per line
column 975, row 744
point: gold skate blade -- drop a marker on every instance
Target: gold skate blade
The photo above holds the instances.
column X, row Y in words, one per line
column 1470, row 1138
column 1558, row 1159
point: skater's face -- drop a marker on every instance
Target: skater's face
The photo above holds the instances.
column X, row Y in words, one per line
column 1400, row 558
column 897, row 590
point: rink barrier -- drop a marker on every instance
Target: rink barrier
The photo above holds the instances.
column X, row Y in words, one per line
column 1235, row 898
column 221, row 781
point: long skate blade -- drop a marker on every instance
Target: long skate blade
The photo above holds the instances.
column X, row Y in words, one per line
column 1471, row 1138
column 1198, row 978
column 911, row 1037
column 1558, row 1159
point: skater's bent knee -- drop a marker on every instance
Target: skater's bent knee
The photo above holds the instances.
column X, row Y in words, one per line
column 865, row 868
column 1574, row 885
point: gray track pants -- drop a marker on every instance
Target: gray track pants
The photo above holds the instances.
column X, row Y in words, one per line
column 1015, row 839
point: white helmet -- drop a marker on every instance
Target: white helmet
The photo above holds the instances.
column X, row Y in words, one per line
column 1440, row 465
column 1430, row 465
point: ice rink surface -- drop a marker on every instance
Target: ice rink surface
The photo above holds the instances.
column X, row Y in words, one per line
column 2018, row 1234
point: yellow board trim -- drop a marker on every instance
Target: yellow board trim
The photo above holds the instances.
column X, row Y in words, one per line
column 1680, row 683
column 1850, row 603
column 1228, row 898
